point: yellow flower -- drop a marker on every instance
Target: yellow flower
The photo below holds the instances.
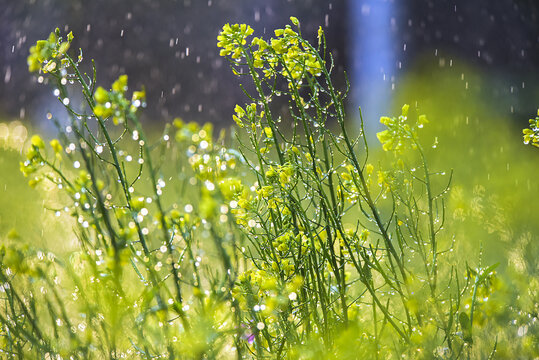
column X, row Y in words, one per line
column 102, row 111
column 385, row 120
column 101, row 95
column 405, row 109
column 33, row 182
column 278, row 46
column 230, row 188
column 364, row 234
column 369, row 168
column 320, row 33
column 265, row 192
column 381, row 177
column 137, row 203
column 38, row 142
column 32, row 153
column 270, row 173
column 268, row 132
column 56, row 147
column 139, row 95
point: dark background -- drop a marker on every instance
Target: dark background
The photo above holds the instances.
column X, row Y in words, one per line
column 170, row 47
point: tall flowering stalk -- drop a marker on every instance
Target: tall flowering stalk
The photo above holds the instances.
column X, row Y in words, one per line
column 317, row 218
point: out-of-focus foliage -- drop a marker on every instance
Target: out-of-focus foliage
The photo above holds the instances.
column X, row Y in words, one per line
column 490, row 205
column 22, row 213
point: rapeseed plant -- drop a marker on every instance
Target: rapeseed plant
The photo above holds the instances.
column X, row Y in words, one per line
column 291, row 245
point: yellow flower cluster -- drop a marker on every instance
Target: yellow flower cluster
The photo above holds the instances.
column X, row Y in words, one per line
column 113, row 103
column 193, row 133
column 297, row 57
column 249, row 114
column 348, row 189
column 242, row 208
column 385, row 179
column 531, row 134
column 263, row 288
column 34, row 157
column 289, row 243
column 399, row 134
column 232, row 38
column 231, row 188
column 287, row 53
column 48, row 55
column 282, row 175
column 212, row 167
column 20, row 259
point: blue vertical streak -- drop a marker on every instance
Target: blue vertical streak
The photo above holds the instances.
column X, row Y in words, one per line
column 372, row 58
